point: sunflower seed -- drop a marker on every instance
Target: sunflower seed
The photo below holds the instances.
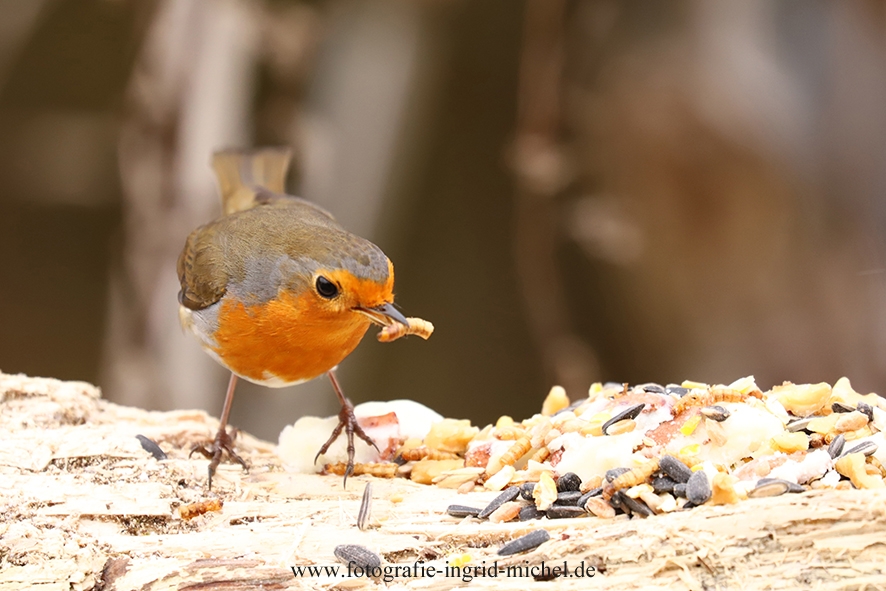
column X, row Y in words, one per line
column 564, row 511
column 715, row 413
column 629, row 413
column 793, row 487
column 568, row 497
column 698, row 488
column 678, row 391
column 530, row 512
column 151, row 447
column 359, row 556
column 526, row 491
column 662, row 484
column 615, row 473
column 658, row 389
column 775, row 487
column 799, row 424
column 583, row 499
column 635, row 506
column 365, row 507
column 867, row 409
column 867, row 448
column 836, row 446
column 569, row 481
column 530, row 541
column 674, row 468
column 507, row 495
column 680, row 490
column 841, row 407
column 462, row 511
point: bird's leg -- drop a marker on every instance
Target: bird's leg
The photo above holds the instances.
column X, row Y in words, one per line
column 347, row 421
column 224, row 441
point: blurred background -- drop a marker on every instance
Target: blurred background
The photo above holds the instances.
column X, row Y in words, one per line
column 571, row 190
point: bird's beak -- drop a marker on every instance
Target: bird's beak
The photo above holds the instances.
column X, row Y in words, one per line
column 385, row 315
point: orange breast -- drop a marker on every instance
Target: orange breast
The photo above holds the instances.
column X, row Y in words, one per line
column 289, row 338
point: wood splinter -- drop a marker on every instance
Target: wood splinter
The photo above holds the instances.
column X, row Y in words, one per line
column 396, row 330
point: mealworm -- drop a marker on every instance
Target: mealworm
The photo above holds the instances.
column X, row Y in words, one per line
column 416, row 326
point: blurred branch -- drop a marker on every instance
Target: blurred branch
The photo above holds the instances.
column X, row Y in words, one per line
column 542, row 172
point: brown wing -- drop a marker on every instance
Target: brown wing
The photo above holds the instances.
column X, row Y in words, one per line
column 200, row 272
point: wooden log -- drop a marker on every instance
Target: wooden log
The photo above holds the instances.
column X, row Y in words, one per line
column 83, row 506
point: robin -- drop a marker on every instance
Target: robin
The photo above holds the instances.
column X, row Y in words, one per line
column 278, row 292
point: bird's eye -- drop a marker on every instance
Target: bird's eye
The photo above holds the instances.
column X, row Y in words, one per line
column 326, row 288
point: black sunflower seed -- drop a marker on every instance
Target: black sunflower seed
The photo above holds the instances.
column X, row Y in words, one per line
column 841, row 407
column 526, row 491
column 507, row 495
column 569, row 481
column 775, row 487
column 357, row 555
column 836, row 446
column 635, row 506
column 530, row 541
column 680, row 490
column 715, row 413
column 583, row 500
column 678, row 391
column 564, row 511
column 698, row 488
column 793, row 487
column 799, row 424
column 568, row 497
column 663, row 484
column 657, row 388
column 674, row 468
column 462, row 511
column 867, row 448
column 629, row 413
column 866, row 409
column 530, row 512
column 151, row 447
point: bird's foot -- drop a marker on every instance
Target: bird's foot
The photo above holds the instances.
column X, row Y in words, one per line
column 347, row 420
column 222, row 446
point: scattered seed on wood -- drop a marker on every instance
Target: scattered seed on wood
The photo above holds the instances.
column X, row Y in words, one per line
column 151, row 447
column 867, row 409
column 568, row 497
column 616, row 472
column 507, row 495
column 715, row 413
column 627, row 414
column 526, row 490
column 192, row 510
column 530, row 512
column 674, row 468
column 365, row 507
column 360, row 556
column 569, row 481
column 462, row 511
column 564, row 511
column 530, row 541
column 698, row 488
column 663, row 484
column 841, row 407
column 836, row 446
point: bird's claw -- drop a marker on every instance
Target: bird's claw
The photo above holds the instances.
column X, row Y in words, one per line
column 222, row 446
column 347, row 421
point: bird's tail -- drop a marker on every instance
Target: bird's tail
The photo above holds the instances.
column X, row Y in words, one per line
column 241, row 173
